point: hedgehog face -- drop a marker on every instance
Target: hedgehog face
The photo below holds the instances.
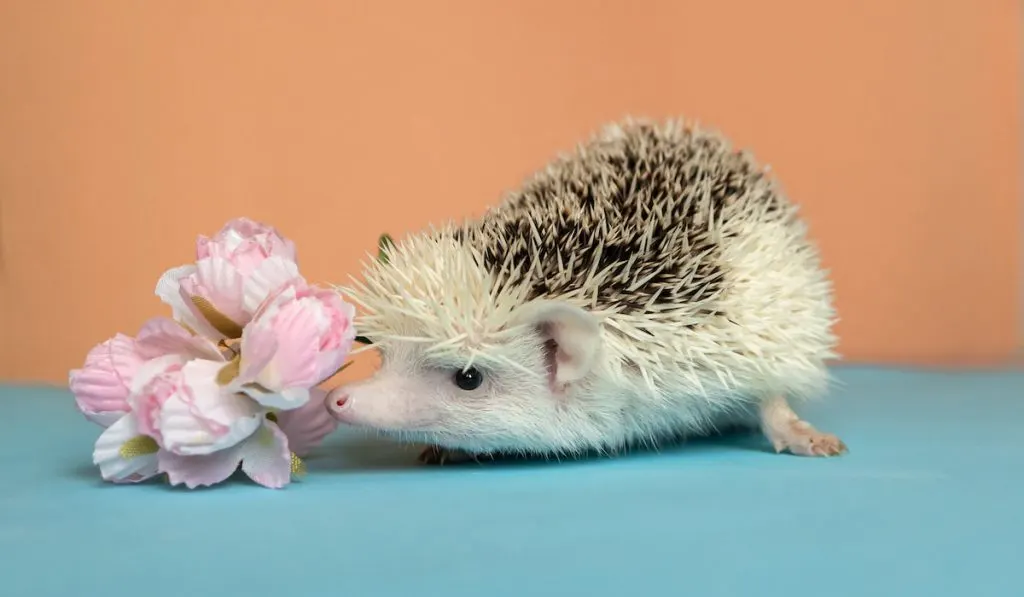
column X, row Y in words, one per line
column 486, row 403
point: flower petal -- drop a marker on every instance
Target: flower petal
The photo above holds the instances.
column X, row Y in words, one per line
column 339, row 332
column 293, row 333
column 328, row 363
column 242, row 227
column 161, row 380
column 285, row 400
column 104, row 419
column 123, row 455
column 298, row 337
column 217, row 281
column 202, row 417
column 247, row 256
column 168, row 289
column 151, row 369
column 102, row 386
column 268, row 237
column 220, row 328
column 266, row 280
column 162, row 336
column 256, row 354
column 307, row 425
column 334, row 320
column 266, row 457
column 201, row 470
column 203, row 244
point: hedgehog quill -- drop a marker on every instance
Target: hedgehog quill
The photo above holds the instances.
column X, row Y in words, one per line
column 651, row 285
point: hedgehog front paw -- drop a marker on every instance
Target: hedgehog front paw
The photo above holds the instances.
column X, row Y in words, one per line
column 438, row 456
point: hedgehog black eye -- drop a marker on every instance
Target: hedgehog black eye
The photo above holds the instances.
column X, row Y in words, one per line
column 469, row 379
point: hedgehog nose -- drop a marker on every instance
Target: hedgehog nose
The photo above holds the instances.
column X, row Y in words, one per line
column 337, row 399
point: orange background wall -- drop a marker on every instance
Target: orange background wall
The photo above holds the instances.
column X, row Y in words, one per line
column 127, row 127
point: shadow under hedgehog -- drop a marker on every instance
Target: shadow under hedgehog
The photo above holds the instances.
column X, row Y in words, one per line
column 653, row 284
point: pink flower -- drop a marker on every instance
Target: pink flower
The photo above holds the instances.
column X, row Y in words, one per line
column 177, row 419
column 101, row 387
column 265, row 454
column 235, row 272
column 227, row 382
column 183, row 423
column 162, row 348
column 104, row 383
column 299, row 338
column 148, row 401
column 162, row 336
column 247, row 243
column 264, row 448
column 188, row 413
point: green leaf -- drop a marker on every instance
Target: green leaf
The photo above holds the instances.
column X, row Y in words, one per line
column 384, row 244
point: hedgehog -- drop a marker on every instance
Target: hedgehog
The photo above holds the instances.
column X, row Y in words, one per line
column 651, row 285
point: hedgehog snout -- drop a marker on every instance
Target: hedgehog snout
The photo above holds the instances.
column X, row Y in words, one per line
column 384, row 402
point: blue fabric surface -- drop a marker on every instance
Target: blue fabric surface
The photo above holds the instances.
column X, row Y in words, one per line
column 930, row 502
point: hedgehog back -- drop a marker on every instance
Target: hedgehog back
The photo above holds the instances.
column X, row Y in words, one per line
column 630, row 222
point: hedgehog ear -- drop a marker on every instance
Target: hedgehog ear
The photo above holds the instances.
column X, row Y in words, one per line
column 573, row 337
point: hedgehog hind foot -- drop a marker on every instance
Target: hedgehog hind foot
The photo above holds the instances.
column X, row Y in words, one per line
column 438, row 456
column 788, row 432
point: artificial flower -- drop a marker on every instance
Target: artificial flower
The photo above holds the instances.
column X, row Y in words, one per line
column 188, row 412
column 235, row 272
column 230, row 379
column 298, row 338
column 162, row 348
column 247, row 242
column 269, row 455
column 264, row 457
column 182, row 422
column 102, row 385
